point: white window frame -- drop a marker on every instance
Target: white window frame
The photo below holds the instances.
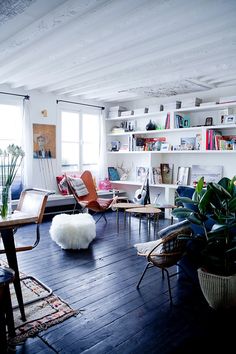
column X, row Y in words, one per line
column 80, row 112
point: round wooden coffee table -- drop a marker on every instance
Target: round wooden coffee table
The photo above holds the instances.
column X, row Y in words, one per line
column 149, row 212
column 124, row 207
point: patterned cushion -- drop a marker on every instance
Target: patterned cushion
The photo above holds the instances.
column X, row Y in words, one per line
column 62, row 185
column 78, row 185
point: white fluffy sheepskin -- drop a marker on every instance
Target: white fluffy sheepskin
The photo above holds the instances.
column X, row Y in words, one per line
column 73, row 231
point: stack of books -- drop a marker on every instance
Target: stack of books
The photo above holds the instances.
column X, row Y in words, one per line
column 115, row 111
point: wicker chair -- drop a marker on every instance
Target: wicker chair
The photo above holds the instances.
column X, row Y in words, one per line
column 166, row 251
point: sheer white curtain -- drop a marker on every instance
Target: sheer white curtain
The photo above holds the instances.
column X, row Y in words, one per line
column 27, row 139
column 102, row 167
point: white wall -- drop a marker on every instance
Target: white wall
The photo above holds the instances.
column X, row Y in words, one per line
column 44, row 171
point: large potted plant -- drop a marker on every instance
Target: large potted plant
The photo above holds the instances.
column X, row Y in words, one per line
column 215, row 204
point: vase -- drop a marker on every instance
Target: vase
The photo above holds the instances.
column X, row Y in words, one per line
column 5, row 201
column 151, row 125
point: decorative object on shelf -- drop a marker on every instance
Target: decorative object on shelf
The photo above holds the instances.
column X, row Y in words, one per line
column 151, row 125
column 156, row 175
column 188, row 143
column 142, row 195
column 183, row 175
column 165, row 147
column 128, row 125
column 141, row 174
column 230, row 119
column 210, row 173
column 167, row 172
column 124, row 172
column 113, row 174
column 115, row 145
column 208, row 121
column 105, row 184
column 10, row 160
column 214, row 210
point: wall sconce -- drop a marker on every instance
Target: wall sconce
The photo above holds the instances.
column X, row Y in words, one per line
column 44, row 113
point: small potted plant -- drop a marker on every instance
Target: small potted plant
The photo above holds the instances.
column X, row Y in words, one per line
column 217, row 256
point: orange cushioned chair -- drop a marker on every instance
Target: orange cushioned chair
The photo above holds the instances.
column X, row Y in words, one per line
column 88, row 197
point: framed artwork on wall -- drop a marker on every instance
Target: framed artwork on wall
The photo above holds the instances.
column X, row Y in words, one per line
column 44, row 141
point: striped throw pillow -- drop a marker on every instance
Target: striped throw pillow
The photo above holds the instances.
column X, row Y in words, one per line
column 78, row 185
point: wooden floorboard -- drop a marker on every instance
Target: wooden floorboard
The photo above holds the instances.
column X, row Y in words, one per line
column 113, row 316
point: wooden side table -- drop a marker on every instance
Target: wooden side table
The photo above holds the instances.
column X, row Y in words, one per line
column 148, row 211
column 164, row 206
column 124, row 207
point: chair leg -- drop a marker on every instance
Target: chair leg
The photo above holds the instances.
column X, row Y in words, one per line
column 169, row 288
column 101, row 216
column 104, row 216
column 145, row 269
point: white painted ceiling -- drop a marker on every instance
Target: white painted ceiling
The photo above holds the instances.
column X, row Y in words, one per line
column 117, row 50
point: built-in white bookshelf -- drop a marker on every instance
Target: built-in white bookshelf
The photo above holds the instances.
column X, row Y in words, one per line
column 132, row 156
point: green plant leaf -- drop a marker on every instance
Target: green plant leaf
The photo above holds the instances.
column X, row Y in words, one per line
column 232, row 204
column 205, row 201
column 200, row 185
column 185, row 200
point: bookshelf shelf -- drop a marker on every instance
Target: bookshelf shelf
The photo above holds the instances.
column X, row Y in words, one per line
column 174, row 137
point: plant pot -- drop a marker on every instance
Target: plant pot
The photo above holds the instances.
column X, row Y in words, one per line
column 219, row 291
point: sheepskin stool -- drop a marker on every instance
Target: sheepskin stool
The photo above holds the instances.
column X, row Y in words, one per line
column 73, row 231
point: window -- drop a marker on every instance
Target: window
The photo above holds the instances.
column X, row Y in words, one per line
column 80, row 136
column 11, row 120
column 11, row 125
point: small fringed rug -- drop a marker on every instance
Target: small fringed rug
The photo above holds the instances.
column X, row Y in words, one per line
column 40, row 314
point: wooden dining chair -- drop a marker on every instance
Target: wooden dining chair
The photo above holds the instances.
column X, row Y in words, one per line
column 86, row 196
column 32, row 202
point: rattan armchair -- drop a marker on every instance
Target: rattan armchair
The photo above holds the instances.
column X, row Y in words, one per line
column 166, row 251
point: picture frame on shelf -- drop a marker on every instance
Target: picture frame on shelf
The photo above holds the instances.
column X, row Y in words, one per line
column 113, row 174
column 183, row 176
column 165, row 147
column 141, row 173
column 208, row 121
column 209, row 172
column 229, row 119
column 156, row 175
column 188, row 143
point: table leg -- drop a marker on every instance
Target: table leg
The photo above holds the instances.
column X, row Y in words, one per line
column 117, row 220
column 140, row 224
column 9, row 246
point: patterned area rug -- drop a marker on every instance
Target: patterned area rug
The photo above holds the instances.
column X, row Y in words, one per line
column 41, row 314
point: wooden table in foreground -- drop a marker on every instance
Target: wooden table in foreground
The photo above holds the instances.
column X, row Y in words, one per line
column 7, row 226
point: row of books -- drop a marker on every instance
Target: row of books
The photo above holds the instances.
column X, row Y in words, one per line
column 216, row 141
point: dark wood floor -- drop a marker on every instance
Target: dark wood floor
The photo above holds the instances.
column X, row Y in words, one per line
column 113, row 316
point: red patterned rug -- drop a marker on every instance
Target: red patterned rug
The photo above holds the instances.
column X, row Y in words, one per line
column 41, row 314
